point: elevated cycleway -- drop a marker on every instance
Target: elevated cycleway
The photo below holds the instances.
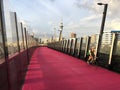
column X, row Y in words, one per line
column 53, row 70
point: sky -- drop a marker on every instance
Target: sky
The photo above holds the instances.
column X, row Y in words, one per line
column 82, row 17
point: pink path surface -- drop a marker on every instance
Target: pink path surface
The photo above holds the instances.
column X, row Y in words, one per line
column 52, row 70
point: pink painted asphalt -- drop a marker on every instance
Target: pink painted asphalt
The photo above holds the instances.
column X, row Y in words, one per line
column 53, row 70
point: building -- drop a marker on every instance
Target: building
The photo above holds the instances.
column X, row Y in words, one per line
column 94, row 38
column 107, row 38
column 73, row 35
column 115, row 31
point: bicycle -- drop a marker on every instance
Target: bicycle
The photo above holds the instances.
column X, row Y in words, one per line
column 93, row 62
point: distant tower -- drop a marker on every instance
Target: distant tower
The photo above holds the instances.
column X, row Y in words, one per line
column 61, row 29
column 54, row 34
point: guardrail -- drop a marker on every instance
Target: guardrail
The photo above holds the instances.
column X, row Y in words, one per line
column 108, row 55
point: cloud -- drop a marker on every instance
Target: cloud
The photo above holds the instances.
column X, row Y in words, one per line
column 113, row 25
column 113, row 14
column 113, row 9
column 86, row 4
column 52, row 0
column 50, row 8
column 81, row 28
column 91, row 18
column 113, row 5
column 80, row 16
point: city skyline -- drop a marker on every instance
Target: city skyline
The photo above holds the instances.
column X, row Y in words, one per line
column 80, row 17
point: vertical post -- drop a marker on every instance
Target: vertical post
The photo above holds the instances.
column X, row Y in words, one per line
column 102, row 25
column 68, row 42
column 71, row 43
column 64, row 46
column 103, row 18
column 26, row 44
column 112, row 46
column 4, row 39
column 23, row 39
column 79, row 51
column 17, row 31
column 75, row 46
column 87, row 46
column 63, row 42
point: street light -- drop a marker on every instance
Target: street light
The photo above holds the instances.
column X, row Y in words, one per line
column 102, row 25
column 104, row 17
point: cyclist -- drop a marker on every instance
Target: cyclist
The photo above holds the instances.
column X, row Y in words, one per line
column 92, row 55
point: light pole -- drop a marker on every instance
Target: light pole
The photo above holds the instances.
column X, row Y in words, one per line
column 104, row 17
column 61, row 29
column 102, row 25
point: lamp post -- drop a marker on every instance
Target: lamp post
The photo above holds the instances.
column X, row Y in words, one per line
column 102, row 25
column 104, row 17
column 61, row 29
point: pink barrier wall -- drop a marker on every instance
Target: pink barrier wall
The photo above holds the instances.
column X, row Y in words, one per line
column 17, row 67
column 3, row 77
